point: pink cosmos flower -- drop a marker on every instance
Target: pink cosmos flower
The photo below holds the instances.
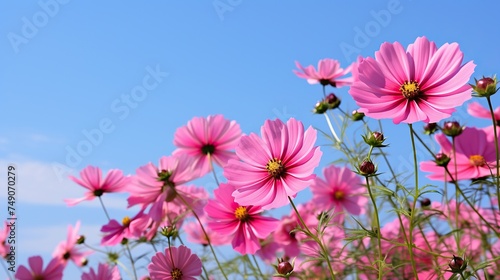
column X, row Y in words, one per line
column 423, row 83
column 273, row 167
column 244, row 223
column 476, row 110
column 208, row 139
column 66, row 250
column 156, row 186
column 174, row 264
column 341, row 189
column 104, row 272
column 114, row 232
column 195, row 233
column 328, row 73
column 4, row 246
column 53, row 271
column 475, row 156
column 91, row 180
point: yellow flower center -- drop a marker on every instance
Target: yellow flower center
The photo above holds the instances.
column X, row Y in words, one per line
column 126, row 221
column 339, row 195
column 477, row 160
column 176, row 274
column 275, row 168
column 410, row 90
column 241, row 214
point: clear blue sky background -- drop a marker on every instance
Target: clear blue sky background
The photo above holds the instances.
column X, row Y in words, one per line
column 66, row 67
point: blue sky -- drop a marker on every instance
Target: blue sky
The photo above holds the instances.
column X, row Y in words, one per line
column 129, row 74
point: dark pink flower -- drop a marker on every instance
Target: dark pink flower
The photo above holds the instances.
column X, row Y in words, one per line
column 244, row 223
column 156, row 186
column 274, row 167
column 104, row 272
column 328, row 73
column 175, row 264
column 341, row 189
column 422, row 83
column 114, row 232
column 67, row 250
column 208, row 140
column 91, row 180
column 53, row 271
column 4, row 246
column 475, row 156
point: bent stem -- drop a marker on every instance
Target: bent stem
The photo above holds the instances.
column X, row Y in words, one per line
column 324, row 251
column 205, row 233
column 331, row 128
column 497, row 152
column 377, row 224
column 132, row 262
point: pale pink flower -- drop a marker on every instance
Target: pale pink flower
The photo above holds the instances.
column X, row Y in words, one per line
column 328, row 73
column 475, row 156
column 195, row 233
column 67, row 250
column 115, row 232
column 341, row 189
column 208, row 140
column 422, row 83
column 53, row 271
column 104, row 272
column 156, row 186
column 244, row 224
column 477, row 110
column 174, row 264
column 91, row 179
column 285, row 235
column 274, row 167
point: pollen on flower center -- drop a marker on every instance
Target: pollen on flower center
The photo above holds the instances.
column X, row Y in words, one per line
column 241, row 213
column 477, row 160
column 410, row 90
column 164, row 176
column 176, row 274
column 339, row 195
column 208, row 149
column 275, row 168
column 126, row 221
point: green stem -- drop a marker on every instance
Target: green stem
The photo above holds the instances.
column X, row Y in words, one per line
column 497, row 152
column 104, row 208
column 205, row 233
column 415, row 197
column 258, row 267
column 132, row 262
column 324, row 251
column 377, row 224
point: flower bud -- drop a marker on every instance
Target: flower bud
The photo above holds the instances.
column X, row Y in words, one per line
column 84, row 262
column 320, row 107
column 425, row 202
column 486, row 86
column 367, row 168
column 169, row 231
column 457, row 264
column 375, row 139
column 332, row 101
column 80, row 240
column 452, row 128
column 357, row 116
column 442, row 159
column 284, row 268
column 430, row 128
